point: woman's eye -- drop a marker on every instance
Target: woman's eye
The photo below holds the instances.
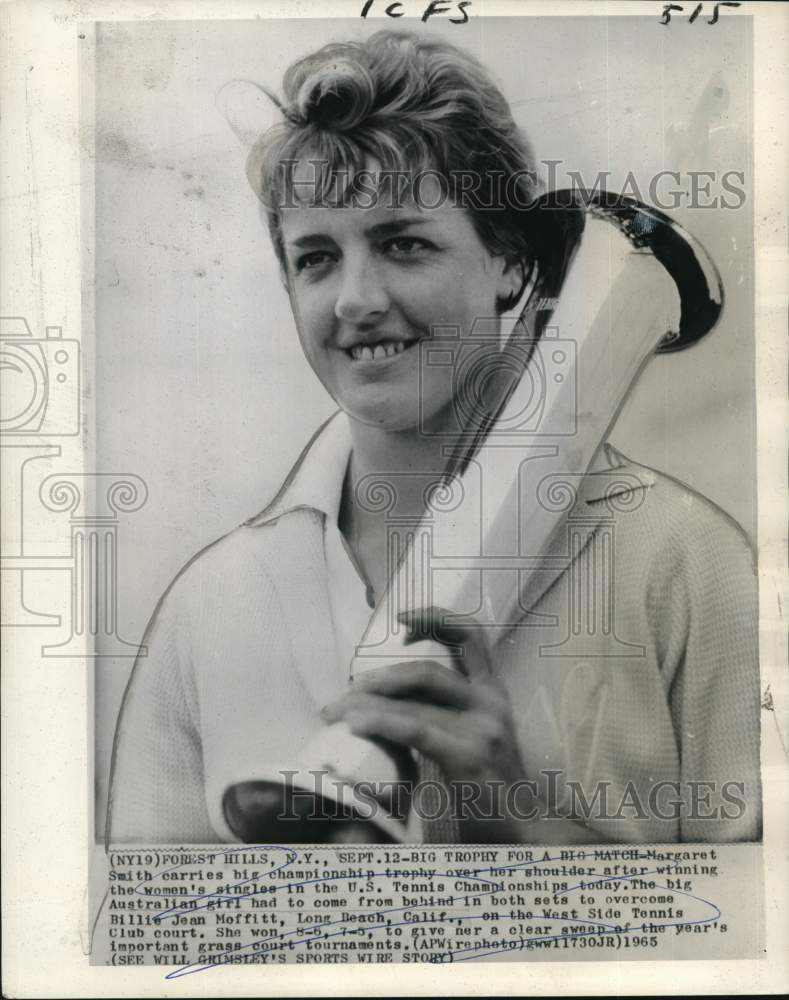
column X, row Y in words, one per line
column 406, row 246
column 312, row 260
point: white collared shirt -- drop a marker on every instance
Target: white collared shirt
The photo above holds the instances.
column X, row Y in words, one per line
column 351, row 597
column 318, row 484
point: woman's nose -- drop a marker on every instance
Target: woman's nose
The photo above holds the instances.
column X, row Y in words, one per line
column 362, row 294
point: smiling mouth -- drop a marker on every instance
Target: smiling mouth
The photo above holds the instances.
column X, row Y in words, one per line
column 379, row 352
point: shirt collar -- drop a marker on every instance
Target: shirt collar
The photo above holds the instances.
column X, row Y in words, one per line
column 316, row 480
column 613, row 474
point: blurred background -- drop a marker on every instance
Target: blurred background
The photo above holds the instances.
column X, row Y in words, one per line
column 200, row 387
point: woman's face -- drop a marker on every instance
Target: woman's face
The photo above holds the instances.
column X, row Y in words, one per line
column 368, row 284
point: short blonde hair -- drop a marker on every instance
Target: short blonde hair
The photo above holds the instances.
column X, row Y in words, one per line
column 412, row 106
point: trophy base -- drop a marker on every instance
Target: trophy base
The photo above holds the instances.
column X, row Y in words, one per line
column 270, row 812
column 353, row 791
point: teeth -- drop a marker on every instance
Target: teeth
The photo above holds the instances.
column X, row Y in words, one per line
column 362, row 352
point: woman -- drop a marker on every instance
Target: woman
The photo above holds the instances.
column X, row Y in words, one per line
column 650, row 737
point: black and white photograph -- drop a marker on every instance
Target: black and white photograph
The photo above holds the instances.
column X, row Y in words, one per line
column 476, row 283
column 400, row 485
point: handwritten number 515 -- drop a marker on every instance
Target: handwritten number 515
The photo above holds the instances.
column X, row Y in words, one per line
column 667, row 9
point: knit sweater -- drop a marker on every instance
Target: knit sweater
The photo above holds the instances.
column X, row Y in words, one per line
column 633, row 674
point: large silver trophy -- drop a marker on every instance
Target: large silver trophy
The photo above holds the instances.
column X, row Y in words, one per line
column 615, row 282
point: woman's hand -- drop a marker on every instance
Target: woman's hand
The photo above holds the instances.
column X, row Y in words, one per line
column 460, row 718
